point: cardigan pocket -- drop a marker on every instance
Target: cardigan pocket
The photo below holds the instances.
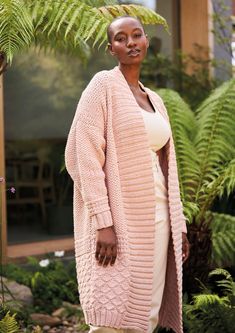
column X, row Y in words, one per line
column 84, row 262
column 111, row 283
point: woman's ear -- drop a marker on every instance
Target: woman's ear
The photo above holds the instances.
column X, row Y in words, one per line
column 147, row 37
column 110, row 49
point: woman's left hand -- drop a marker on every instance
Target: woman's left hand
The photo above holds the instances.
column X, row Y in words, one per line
column 185, row 247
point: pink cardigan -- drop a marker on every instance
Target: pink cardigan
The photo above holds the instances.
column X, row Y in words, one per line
column 108, row 158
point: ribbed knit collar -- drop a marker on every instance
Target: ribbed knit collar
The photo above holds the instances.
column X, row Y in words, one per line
column 120, row 75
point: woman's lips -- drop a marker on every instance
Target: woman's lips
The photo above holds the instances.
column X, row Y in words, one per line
column 133, row 53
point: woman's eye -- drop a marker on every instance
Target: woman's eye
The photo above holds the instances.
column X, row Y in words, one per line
column 120, row 39
column 138, row 35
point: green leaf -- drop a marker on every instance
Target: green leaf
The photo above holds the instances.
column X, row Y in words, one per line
column 16, row 28
column 215, row 140
column 9, row 324
column 223, row 238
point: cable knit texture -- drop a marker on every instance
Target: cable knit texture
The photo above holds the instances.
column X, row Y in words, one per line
column 108, row 157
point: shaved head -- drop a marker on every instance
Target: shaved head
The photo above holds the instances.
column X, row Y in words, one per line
column 109, row 28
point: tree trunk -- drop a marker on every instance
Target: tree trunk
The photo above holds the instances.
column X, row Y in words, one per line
column 199, row 262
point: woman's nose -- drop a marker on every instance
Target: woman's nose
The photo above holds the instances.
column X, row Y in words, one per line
column 130, row 42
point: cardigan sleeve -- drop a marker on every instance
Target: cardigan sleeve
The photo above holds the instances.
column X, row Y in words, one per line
column 85, row 152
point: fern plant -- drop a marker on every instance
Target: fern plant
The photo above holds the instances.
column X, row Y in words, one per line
column 212, row 311
column 223, row 239
column 205, row 149
column 8, row 323
column 62, row 25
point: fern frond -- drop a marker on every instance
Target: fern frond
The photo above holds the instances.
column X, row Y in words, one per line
column 221, row 271
column 16, row 28
column 223, row 248
column 227, row 285
column 205, row 300
column 76, row 15
column 146, row 15
column 105, row 14
column 65, row 16
column 108, row 13
column 54, row 15
column 228, row 179
column 9, row 324
column 223, row 238
column 191, row 209
column 86, row 22
column 210, row 312
column 62, row 25
column 74, row 22
column 183, row 125
column 215, row 140
column 222, row 222
column 99, row 3
column 68, row 46
column 221, row 181
column 101, row 35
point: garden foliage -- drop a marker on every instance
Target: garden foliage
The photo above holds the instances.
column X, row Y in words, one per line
column 8, row 323
column 189, row 74
column 205, row 147
column 50, row 285
column 62, row 25
column 213, row 310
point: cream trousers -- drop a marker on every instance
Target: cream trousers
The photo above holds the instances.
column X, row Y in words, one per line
column 160, row 261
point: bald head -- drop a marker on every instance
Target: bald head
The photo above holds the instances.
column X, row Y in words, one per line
column 110, row 30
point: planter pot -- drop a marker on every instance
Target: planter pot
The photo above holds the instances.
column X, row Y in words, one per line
column 60, row 220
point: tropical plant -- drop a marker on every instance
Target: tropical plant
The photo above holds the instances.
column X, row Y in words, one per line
column 213, row 310
column 205, row 148
column 8, row 322
column 62, row 25
column 223, row 234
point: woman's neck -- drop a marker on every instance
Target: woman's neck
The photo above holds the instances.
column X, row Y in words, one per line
column 131, row 74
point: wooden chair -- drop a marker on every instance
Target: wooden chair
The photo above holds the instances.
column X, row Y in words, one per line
column 34, row 183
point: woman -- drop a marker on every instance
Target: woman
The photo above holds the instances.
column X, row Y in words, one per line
column 128, row 217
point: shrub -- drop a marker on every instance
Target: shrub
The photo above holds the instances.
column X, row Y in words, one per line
column 51, row 284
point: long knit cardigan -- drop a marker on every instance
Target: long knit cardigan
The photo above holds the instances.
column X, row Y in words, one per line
column 108, row 157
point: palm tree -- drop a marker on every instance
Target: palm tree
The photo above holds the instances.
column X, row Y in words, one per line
column 61, row 25
column 205, row 148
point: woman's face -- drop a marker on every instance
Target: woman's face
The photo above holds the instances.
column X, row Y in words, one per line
column 129, row 42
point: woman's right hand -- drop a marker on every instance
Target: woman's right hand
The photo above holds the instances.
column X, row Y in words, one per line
column 106, row 246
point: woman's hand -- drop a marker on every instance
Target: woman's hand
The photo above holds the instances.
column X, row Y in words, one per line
column 185, row 247
column 106, row 246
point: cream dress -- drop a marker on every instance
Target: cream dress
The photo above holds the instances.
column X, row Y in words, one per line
column 158, row 132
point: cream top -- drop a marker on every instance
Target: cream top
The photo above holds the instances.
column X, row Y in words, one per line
column 158, row 132
column 157, row 128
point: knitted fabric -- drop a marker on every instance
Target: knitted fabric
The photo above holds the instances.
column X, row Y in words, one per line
column 108, row 158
